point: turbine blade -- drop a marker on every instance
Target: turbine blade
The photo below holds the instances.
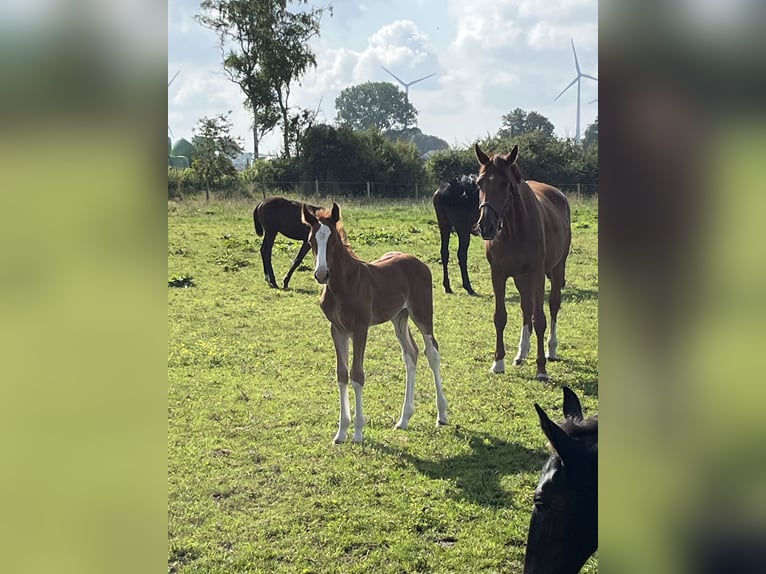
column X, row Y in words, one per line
column 572, row 83
column 589, row 76
column 421, row 79
column 577, row 64
column 395, row 76
column 173, row 78
column 593, row 101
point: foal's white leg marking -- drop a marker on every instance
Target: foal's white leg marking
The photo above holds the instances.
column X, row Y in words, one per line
column 526, row 331
column 321, row 271
column 345, row 414
column 553, row 342
column 409, row 391
column 434, row 361
column 359, row 412
column 498, row 366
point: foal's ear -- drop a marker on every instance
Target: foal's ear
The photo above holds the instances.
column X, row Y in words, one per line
column 335, row 215
column 513, row 156
column 307, row 216
column 480, row 155
column 564, row 445
column 572, row 407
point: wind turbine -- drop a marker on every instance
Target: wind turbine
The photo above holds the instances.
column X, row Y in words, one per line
column 577, row 80
column 170, row 82
column 407, row 84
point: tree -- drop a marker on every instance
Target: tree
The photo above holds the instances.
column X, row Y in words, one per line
column 184, row 148
column 378, row 105
column 591, row 135
column 264, row 49
column 519, row 122
column 215, row 149
column 423, row 142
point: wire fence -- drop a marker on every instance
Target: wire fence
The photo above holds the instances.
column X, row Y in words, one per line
column 348, row 189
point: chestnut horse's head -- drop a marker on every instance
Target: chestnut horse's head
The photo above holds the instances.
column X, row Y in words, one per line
column 563, row 530
column 323, row 233
column 498, row 178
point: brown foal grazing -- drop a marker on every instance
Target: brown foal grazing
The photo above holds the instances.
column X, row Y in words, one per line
column 357, row 295
column 527, row 234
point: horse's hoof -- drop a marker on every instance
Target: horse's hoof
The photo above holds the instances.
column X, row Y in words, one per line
column 498, row 367
column 448, row 291
column 542, row 377
column 337, row 439
column 518, row 362
column 358, row 439
column 472, row 293
column 441, row 423
column 552, row 359
column 400, row 425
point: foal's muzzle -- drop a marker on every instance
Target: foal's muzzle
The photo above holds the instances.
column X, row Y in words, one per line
column 322, row 275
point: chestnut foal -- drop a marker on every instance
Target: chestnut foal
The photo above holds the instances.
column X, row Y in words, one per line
column 357, row 295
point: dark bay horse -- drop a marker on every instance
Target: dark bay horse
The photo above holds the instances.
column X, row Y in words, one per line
column 527, row 234
column 457, row 207
column 357, row 295
column 563, row 530
column 280, row 215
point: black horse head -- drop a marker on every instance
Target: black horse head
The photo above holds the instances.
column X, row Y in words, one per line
column 563, row 531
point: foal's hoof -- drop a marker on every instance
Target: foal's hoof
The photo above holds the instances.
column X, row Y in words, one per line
column 542, row 377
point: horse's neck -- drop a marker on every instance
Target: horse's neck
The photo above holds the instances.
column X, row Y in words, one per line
column 517, row 217
column 344, row 263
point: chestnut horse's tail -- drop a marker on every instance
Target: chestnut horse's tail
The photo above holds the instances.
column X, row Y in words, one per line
column 256, row 221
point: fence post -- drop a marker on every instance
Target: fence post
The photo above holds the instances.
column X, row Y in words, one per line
column 579, row 189
column 316, row 187
column 416, row 191
column 368, row 189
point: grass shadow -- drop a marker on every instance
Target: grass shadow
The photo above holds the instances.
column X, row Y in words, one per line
column 476, row 475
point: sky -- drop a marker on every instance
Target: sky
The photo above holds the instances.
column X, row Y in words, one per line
column 489, row 57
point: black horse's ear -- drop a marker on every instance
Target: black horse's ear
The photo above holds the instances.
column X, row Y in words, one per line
column 480, row 155
column 513, row 156
column 564, row 445
column 335, row 212
column 307, row 215
column 572, row 407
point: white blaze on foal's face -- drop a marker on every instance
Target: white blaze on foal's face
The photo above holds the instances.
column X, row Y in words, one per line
column 321, row 271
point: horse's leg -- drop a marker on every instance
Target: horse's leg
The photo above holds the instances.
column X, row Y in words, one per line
column 297, row 261
column 266, row 246
column 464, row 240
column 525, row 297
column 554, row 304
column 500, row 319
column 359, row 338
column 434, row 361
column 410, row 357
column 444, row 230
column 341, row 356
column 539, row 322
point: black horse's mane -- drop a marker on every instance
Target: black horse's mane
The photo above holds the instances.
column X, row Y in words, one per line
column 463, row 192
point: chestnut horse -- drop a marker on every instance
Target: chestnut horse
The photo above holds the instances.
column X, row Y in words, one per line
column 357, row 295
column 563, row 530
column 457, row 207
column 527, row 234
column 280, row 215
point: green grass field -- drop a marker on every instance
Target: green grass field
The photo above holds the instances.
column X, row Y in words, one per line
column 254, row 481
